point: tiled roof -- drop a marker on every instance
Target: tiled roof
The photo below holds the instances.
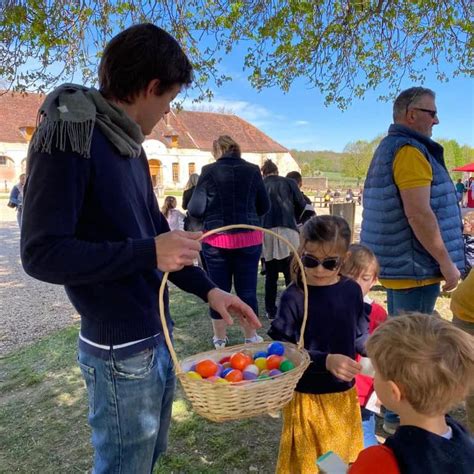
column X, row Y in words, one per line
column 195, row 129
column 17, row 110
column 200, row 129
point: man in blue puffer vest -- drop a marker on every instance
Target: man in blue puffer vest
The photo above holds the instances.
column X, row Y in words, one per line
column 411, row 217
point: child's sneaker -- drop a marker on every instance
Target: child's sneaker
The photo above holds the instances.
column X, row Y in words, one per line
column 256, row 338
column 219, row 343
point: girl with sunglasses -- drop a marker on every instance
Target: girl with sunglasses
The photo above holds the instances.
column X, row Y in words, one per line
column 324, row 414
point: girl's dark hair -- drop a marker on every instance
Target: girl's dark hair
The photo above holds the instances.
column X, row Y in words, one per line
column 136, row 56
column 323, row 230
column 269, row 168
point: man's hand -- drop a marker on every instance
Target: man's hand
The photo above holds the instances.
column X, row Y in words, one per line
column 342, row 367
column 176, row 249
column 451, row 275
column 226, row 304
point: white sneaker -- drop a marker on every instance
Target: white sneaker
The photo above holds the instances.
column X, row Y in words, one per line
column 219, row 343
column 256, row 338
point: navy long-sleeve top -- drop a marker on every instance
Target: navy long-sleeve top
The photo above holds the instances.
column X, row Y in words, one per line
column 90, row 224
column 337, row 324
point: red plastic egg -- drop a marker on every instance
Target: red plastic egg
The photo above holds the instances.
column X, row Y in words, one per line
column 206, row 368
column 274, row 361
column 240, row 360
column 234, row 376
column 224, row 360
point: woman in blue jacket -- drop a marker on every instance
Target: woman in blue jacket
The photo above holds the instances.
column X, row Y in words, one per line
column 231, row 191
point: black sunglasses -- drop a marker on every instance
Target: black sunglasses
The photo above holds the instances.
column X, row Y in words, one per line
column 433, row 113
column 329, row 263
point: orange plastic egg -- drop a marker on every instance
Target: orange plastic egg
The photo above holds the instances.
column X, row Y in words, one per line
column 234, row 375
column 274, row 361
column 206, row 368
column 239, row 360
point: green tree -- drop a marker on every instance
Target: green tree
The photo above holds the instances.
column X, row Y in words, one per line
column 356, row 161
column 341, row 47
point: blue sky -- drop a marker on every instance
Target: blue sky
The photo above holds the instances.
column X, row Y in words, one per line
column 299, row 119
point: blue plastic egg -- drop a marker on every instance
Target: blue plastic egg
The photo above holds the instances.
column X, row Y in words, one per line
column 260, row 354
column 276, row 348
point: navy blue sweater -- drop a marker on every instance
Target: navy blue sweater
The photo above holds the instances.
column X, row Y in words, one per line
column 336, row 324
column 420, row 452
column 89, row 224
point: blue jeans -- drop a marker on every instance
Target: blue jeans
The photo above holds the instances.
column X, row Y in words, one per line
column 368, row 427
column 421, row 299
column 237, row 265
column 130, row 403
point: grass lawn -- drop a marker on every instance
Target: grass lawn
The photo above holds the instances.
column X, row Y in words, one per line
column 43, row 419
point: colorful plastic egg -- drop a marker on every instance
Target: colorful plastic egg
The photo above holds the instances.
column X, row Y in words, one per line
column 224, row 359
column 206, row 368
column 274, row 372
column 259, row 354
column 249, row 375
column 213, row 379
column 193, row 375
column 219, row 370
column 226, row 365
column 226, row 371
column 287, row 365
column 239, row 360
column 251, row 372
column 261, row 363
column 276, row 348
column 221, row 380
column 234, row 375
column 263, row 377
column 274, row 361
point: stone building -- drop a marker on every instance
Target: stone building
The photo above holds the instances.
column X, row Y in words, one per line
column 178, row 146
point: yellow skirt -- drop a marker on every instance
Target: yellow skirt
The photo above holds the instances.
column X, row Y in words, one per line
column 316, row 424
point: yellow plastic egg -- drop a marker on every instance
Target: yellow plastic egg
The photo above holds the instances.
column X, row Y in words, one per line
column 261, row 363
column 193, row 375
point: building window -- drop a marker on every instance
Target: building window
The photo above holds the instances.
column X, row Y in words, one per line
column 3, row 161
column 191, row 168
column 175, row 168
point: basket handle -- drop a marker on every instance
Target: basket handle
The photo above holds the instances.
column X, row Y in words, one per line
column 177, row 365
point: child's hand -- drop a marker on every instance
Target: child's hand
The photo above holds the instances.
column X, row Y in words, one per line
column 342, row 367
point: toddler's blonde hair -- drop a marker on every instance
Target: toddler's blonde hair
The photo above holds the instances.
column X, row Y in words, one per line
column 431, row 360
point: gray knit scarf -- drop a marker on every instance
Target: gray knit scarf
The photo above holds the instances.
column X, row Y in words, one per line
column 68, row 116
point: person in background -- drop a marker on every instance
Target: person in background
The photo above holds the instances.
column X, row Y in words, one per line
column 91, row 222
column 411, row 218
column 327, row 198
column 309, row 209
column 16, row 197
column 190, row 223
column 231, row 191
column 361, row 265
column 468, row 236
column 460, row 190
column 423, row 367
column 349, row 195
column 287, row 203
column 324, row 413
column 174, row 217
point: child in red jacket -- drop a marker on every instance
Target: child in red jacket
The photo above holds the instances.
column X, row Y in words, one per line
column 362, row 266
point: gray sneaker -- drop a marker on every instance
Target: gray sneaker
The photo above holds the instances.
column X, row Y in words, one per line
column 256, row 338
column 220, row 343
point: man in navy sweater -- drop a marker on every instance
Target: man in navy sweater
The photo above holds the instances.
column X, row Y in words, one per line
column 92, row 224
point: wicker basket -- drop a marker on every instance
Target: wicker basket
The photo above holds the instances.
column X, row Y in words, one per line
column 235, row 401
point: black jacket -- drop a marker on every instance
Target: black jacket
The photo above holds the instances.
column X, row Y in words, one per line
column 420, row 452
column 229, row 191
column 287, row 202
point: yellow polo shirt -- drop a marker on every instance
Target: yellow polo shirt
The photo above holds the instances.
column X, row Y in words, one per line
column 410, row 170
column 462, row 300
